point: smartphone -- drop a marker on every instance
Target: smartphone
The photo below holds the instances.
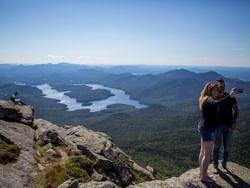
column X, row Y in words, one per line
column 239, row 90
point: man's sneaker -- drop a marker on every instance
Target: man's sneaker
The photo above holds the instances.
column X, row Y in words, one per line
column 216, row 169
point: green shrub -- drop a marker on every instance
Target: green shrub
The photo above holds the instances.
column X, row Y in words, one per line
column 71, row 152
column 51, row 177
column 47, row 156
column 9, row 151
column 79, row 167
column 140, row 177
column 57, row 173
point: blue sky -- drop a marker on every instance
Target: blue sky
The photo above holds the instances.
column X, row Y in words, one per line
column 158, row 32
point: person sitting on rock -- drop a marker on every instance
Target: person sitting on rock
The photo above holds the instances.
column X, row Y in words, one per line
column 14, row 99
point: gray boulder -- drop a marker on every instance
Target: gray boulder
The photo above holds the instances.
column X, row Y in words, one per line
column 97, row 146
column 97, row 177
column 16, row 113
column 96, row 184
column 18, row 174
column 47, row 132
column 105, row 154
column 94, row 141
column 46, row 137
column 71, row 183
column 121, row 168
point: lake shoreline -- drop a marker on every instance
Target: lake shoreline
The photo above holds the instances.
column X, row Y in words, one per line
column 118, row 97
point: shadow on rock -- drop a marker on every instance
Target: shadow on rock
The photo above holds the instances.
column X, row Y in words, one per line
column 212, row 185
column 233, row 180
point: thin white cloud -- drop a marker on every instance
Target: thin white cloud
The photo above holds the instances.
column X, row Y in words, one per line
column 55, row 56
column 90, row 57
column 83, row 57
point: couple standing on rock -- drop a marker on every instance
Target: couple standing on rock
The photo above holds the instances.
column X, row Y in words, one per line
column 219, row 115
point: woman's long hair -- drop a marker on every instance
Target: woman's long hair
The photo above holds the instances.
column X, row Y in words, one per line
column 205, row 93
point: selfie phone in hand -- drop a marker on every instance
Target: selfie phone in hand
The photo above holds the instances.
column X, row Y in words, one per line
column 239, row 90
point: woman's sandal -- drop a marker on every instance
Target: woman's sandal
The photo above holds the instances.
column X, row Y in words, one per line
column 207, row 181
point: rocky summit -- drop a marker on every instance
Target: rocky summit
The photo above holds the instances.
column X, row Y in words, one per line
column 16, row 113
column 77, row 157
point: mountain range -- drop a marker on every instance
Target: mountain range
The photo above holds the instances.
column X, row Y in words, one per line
column 163, row 134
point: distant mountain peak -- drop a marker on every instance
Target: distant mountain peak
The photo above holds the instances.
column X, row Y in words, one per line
column 212, row 74
column 177, row 73
column 181, row 71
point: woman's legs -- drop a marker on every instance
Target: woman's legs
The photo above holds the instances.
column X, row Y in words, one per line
column 202, row 152
column 205, row 159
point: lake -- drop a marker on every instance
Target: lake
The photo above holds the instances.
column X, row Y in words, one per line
column 119, row 97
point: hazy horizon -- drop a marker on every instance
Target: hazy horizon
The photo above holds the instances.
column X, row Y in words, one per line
column 113, row 65
column 111, row 32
